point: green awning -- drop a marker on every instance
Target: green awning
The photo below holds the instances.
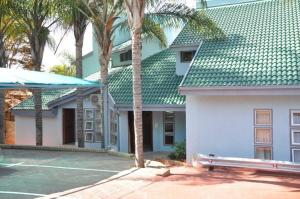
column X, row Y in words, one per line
column 14, row 78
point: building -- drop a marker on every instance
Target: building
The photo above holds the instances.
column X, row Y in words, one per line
column 233, row 97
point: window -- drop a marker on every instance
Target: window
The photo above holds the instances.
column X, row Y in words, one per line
column 187, row 56
column 89, row 114
column 88, row 125
column 89, row 136
column 113, row 127
column 169, row 128
column 264, row 153
column 295, row 135
column 92, row 125
column 126, row 56
column 295, row 118
column 296, row 155
column 263, row 117
column 263, row 133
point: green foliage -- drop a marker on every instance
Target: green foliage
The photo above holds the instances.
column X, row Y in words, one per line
column 64, row 70
column 179, row 151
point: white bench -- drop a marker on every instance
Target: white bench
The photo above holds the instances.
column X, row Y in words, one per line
column 267, row 165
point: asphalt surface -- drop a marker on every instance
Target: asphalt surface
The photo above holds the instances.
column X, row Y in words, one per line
column 31, row 174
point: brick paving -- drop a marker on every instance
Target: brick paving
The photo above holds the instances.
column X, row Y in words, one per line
column 190, row 183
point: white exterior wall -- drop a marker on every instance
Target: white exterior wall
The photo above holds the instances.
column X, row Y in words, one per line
column 52, row 128
column 224, row 126
column 52, row 131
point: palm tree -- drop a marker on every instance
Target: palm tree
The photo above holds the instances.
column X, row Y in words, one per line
column 107, row 17
column 6, row 24
column 73, row 17
column 171, row 14
column 35, row 18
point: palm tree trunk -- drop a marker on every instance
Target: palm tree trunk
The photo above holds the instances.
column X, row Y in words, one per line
column 79, row 100
column 135, row 12
column 37, row 95
column 137, row 97
column 104, row 60
column 2, row 93
column 2, row 117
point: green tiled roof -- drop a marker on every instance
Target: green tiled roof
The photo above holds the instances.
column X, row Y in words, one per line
column 262, row 48
column 159, row 81
column 187, row 37
column 47, row 96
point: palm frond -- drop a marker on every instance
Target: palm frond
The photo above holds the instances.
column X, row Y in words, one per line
column 177, row 15
column 154, row 30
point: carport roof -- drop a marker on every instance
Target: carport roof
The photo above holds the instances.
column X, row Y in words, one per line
column 262, row 47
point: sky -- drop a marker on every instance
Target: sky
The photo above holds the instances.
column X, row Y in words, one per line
column 67, row 45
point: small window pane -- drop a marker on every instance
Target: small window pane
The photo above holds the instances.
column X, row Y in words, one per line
column 169, row 127
column 263, row 135
column 296, row 118
column 88, row 136
column 169, row 140
column 296, row 137
column 187, row 56
column 88, row 125
column 296, row 155
column 169, row 117
column 264, row 153
column 89, row 114
column 263, row 117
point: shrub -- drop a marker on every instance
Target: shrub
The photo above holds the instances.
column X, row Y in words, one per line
column 179, row 151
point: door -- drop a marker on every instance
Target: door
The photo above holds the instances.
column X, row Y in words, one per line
column 147, row 131
column 68, row 126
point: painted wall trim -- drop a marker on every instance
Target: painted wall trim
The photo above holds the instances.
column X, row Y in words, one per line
column 69, row 98
column 31, row 113
column 154, row 107
column 238, row 91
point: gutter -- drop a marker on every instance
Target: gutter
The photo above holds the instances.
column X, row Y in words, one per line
column 241, row 90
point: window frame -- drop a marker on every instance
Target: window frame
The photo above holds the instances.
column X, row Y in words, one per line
column 187, row 51
column 85, row 114
column 263, row 126
column 263, row 143
column 293, row 154
column 85, row 124
column 292, row 119
column 262, row 146
column 126, row 56
column 85, row 136
column 263, row 109
column 169, row 133
column 292, row 137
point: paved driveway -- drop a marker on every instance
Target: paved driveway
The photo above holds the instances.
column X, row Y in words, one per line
column 30, row 174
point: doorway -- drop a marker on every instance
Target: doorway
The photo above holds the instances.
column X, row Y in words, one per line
column 147, row 131
column 68, row 126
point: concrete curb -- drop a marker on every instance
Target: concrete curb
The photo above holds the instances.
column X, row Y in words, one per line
column 121, row 154
column 48, row 148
